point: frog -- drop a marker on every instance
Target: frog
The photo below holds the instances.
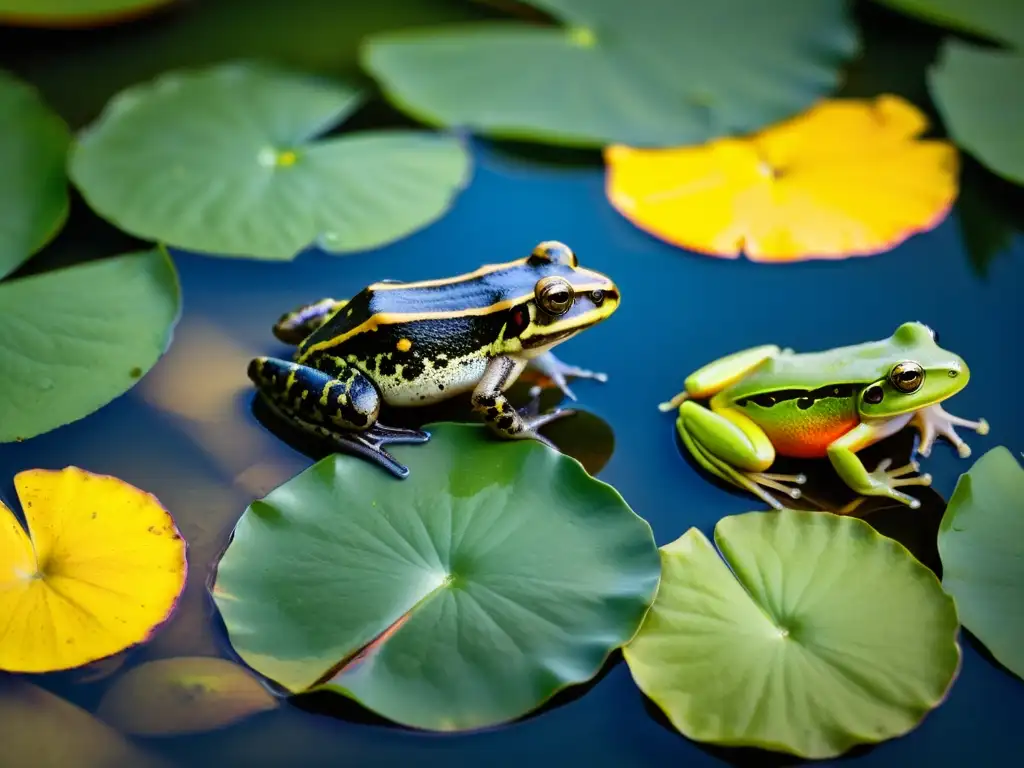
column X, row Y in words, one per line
column 409, row 344
column 766, row 401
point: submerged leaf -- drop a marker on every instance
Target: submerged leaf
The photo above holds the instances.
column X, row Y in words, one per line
column 657, row 72
column 847, row 178
column 980, row 94
column 998, row 19
column 33, row 185
column 226, row 161
column 74, row 339
column 981, row 543
column 73, row 13
column 101, row 566
column 183, row 695
column 815, row 634
column 40, row 730
column 467, row 595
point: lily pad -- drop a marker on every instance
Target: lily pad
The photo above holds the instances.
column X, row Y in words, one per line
column 980, row 95
column 981, row 542
column 467, row 595
column 998, row 19
column 653, row 73
column 33, row 185
column 226, row 161
column 849, row 177
column 101, row 566
column 183, row 695
column 61, row 13
column 813, row 635
column 74, row 339
column 40, row 730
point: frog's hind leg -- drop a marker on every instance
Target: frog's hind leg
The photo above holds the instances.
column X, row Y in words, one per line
column 556, row 370
column 296, row 325
column 716, row 376
column 731, row 446
column 341, row 409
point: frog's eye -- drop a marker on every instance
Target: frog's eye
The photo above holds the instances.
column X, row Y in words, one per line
column 553, row 252
column 907, row 377
column 554, row 295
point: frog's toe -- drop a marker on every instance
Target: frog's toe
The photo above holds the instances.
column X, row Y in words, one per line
column 385, row 434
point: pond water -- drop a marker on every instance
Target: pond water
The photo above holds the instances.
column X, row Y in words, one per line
column 187, row 434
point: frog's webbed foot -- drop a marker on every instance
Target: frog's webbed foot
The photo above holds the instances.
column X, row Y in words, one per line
column 369, row 444
column 556, row 370
column 934, row 421
column 891, row 479
column 533, row 419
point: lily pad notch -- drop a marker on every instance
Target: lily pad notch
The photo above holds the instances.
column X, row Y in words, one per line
column 227, row 161
column 464, row 597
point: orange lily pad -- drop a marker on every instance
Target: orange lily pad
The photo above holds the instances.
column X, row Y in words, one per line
column 849, row 177
column 101, row 566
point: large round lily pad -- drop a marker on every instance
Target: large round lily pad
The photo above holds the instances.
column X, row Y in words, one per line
column 466, row 595
column 33, row 185
column 74, row 339
column 226, row 161
column 981, row 543
column 653, row 73
column 980, row 94
column 823, row 635
column 100, row 567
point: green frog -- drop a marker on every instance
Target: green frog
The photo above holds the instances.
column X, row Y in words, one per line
column 409, row 344
column 766, row 401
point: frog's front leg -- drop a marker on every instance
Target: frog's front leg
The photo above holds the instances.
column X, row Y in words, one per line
column 489, row 398
column 341, row 406
column 731, row 446
column 882, row 481
column 556, row 370
column 934, row 421
column 296, row 325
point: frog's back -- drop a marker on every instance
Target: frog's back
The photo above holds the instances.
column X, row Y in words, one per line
column 859, row 364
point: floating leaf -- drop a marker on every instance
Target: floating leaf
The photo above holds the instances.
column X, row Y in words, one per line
column 102, row 566
column 981, row 543
column 998, row 19
column 40, row 730
column 183, row 695
column 33, row 186
column 658, row 72
column 74, row 339
column 225, row 161
column 467, row 595
column 847, row 178
column 823, row 635
column 980, row 94
column 73, row 13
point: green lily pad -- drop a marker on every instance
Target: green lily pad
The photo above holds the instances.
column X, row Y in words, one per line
column 998, row 19
column 33, row 185
column 981, row 543
column 654, row 73
column 225, row 161
column 980, row 95
column 74, row 339
column 467, row 595
column 823, row 635
column 73, row 12
column 183, row 695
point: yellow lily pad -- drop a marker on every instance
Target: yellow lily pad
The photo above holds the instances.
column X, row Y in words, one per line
column 183, row 695
column 849, row 177
column 100, row 568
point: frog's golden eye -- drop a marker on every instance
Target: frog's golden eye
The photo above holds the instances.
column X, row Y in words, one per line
column 907, row 376
column 554, row 295
column 553, row 252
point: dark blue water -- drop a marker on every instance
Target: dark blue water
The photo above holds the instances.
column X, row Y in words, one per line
column 679, row 311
